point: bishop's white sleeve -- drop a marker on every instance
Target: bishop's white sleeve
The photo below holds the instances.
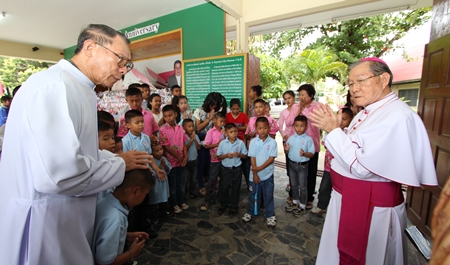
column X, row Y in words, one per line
column 51, row 133
column 344, row 151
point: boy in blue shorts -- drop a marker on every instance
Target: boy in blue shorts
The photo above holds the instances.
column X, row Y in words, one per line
column 300, row 148
column 230, row 152
column 262, row 152
column 110, row 230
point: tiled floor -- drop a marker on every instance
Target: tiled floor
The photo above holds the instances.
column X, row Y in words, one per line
column 196, row 237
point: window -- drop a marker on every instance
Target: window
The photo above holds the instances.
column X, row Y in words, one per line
column 409, row 95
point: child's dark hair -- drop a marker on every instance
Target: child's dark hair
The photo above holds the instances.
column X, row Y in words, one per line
column 145, row 85
column 185, row 121
column 168, row 108
column 133, row 91
column 132, row 114
column 289, row 92
column 259, row 101
column 301, row 118
column 262, row 119
column 257, row 89
column 230, row 126
column 105, row 116
column 137, row 177
column 219, row 115
column 103, row 126
column 215, row 98
column 348, row 111
column 136, row 85
column 150, row 99
column 235, row 101
column 5, row 98
column 117, row 139
column 175, row 101
column 173, row 88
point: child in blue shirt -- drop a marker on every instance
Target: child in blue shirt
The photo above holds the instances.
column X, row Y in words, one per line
column 300, row 148
column 159, row 194
column 230, row 152
column 4, row 109
column 192, row 145
column 110, row 229
column 262, row 152
column 135, row 139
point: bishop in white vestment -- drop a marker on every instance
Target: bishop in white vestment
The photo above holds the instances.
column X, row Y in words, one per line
column 385, row 145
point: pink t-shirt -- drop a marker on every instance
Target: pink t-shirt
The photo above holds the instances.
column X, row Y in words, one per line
column 175, row 139
column 286, row 121
column 213, row 136
column 272, row 123
column 150, row 125
column 327, row 160
column 312, row 130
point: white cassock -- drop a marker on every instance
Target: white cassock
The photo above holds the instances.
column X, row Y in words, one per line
column 385, row 142
column 51, row 170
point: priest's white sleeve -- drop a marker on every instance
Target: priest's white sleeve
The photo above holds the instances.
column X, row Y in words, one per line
column 57, row 134
column 344, row 151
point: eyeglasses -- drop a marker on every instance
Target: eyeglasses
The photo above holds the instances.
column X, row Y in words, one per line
column 360, row 82
column 123, row 61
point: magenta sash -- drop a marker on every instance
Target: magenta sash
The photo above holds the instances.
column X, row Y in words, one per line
column 359, row 198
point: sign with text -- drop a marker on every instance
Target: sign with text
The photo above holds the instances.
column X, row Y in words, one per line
column 224, row 74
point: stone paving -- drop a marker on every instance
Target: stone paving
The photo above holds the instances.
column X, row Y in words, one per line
column 203, row 237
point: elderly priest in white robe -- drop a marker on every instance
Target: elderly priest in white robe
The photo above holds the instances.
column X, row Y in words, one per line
column 385, row 145
column 51, row 169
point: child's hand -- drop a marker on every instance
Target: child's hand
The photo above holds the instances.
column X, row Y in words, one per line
column 132, row 235
column 255, row 178
column 286, row 147
column 285, row 137
column 161, row 174
column 230, row 155
column 192, row 136
column 236, row 154
column 252, row 134
column 136, row 247
column 184, row 161
column 302, row 152
column 255, row 169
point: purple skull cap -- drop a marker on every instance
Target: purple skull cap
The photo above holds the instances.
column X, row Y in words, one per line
column 373, row 59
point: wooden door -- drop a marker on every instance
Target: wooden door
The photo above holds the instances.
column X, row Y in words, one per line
column 434, row 109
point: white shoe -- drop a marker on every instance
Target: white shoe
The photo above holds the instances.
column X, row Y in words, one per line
column 317, row 210
column 184, row 207
column 177, row 209
column 271, row 221
column 246, row 218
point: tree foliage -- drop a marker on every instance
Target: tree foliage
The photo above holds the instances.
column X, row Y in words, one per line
column 14, row 72
column 353, row 39
column 312, row 66
column 273, row 78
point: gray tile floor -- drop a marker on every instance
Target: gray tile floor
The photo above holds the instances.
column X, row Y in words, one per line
column 197, row 237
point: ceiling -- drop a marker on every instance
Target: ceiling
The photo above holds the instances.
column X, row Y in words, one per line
column 57, row 23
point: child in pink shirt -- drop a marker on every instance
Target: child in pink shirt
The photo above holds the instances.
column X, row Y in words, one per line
column 259, row 107
column 213, row 137
column 134, row 99
column 172, row 139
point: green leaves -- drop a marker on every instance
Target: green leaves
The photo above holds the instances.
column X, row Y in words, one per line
column 14, row 72
column 273, row 77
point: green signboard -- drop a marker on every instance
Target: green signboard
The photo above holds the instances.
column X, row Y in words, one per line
column 224, row 74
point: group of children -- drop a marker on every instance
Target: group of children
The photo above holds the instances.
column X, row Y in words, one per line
column 237, row 145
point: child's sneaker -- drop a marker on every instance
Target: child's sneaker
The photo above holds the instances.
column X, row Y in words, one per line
column 221, row 210
column 177, row 209
column 247, row 218
column 271, row 221
column 184, row 207
column 298, row 212
column 317, row 210
column 290, row 207
column 204, row 207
